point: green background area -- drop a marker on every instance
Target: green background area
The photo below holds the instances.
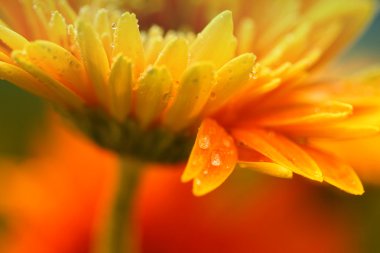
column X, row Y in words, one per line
column 21, row 115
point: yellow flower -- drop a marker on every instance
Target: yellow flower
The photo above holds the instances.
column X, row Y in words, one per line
column 144, row 93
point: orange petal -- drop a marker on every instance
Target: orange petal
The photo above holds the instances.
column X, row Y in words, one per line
column 306, row 114
column 253, row 160
column 269, row 168
column 341, row 130
column 260, row 145
column 281, row 150
column 337, row 172
column 212, row 159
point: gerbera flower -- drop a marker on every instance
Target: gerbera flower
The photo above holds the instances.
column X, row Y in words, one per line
column 144, row 94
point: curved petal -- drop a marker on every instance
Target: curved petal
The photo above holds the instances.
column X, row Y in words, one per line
column 281, row 150
column 212, row 159
column 336, row 172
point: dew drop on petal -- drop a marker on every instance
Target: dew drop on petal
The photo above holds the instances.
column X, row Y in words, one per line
column 253, row 75
column 215, row 159
column 205, row 172
column 204, row 142
column 197, row 181
column 113, row 26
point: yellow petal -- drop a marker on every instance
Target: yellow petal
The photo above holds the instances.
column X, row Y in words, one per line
column 175, row 57
column 60, row 64
column 58, row 29
column 269, row 168
column 103, row 27
column 337, row 172
column 102, row 22
column 120, row 83
column 34, row 26
column 12, row 39
column 67, row 11
column 289, row 48
column 212, row 159
column 216, row 43
column 276, row 17
column 193, row 93
column 24, row 80
column 153, row 44
column 40, row 11
column 280, row 150
column 231, row 79
column 128, row 41
column 95, row 60
column 298, row 68
column 246, row 35
column 66, row 96
column 152, row 96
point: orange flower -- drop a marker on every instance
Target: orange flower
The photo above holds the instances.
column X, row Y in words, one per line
column 144, row 93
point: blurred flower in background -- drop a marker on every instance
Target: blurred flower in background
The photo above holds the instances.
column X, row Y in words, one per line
column 55, row 201
column 42, row 204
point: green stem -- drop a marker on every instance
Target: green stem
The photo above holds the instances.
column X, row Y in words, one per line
column 119, row 235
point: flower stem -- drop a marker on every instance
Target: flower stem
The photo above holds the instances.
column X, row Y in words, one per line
column 119, row 236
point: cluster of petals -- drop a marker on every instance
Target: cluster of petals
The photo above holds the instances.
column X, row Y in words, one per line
column 249, row 85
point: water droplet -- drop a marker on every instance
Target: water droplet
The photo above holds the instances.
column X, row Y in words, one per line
column 215, row 159
column 204, row 142
column 205, row 172
column 112, row 45
column 197, row 181
column 253, row 75
column 113, row 26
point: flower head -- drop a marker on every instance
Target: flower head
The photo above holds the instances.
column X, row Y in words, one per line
column 145, row 92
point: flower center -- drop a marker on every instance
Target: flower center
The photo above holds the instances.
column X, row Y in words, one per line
column 157, row 144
